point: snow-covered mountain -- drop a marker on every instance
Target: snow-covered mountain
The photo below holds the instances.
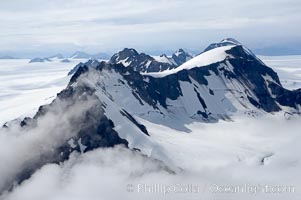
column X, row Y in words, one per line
column 145, row 63
column 76, row 55
column 181, row 56
column 7, row 57
column 56, row 56
column 65, row 60
column 213, row 85
column 48, row 59
column 222, row 43
column 140, row 61
column 34, row 60
column 90, row 63
column 84, row 55
column 105, row 103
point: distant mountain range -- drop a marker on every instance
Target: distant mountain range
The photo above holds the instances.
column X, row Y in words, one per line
column 83, row 55
column 142, row 62
column 7, row 57
column 76, row 55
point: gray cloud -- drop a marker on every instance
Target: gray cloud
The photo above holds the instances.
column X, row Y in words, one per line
column 110, row 25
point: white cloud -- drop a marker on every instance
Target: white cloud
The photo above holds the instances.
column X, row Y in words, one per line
column 226, row 153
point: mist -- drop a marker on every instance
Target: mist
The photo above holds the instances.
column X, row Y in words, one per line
column 24, row 148
column 226, row 153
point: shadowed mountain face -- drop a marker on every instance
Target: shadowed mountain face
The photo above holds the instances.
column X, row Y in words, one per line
column 180, row 57
column 103, row 102
column 139, row 61
column 145, row 63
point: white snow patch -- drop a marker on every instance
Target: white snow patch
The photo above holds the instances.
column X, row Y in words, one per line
column 206, row 58
column 125, row 62
column 163, row 59
column 72, row 144
column 81, row 146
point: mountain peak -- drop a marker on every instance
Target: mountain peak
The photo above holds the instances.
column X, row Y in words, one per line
column 179, row 51
column 56, row 56
column 243, row 51
column 128, row 52
column 35, row 60
column 181, row 56
column 127, row 56
column 84, row 55
column 230, row 40
column 224, row 42
column 80, row 54
column 90, row 63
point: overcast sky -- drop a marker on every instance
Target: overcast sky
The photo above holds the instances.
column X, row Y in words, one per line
column 43, row 26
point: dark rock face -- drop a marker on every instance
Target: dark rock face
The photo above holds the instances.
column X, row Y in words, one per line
column 93, row 127
column 90, row 63
column 249, row 70
column 139, row 62
column 144, row 63
column 286, row 97
column 180, row 57
column 132, row 119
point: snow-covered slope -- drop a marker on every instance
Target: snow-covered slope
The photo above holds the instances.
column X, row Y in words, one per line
column 208, row 57
column 164, row 59
column 177, row 58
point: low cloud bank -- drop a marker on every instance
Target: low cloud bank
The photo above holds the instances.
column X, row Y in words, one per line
column 253, row 156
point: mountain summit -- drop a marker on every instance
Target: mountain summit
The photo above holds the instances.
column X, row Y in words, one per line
column 222, row 43
column 140, row 61
column 84, row 55
column 145, row 63
column 181, row 56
